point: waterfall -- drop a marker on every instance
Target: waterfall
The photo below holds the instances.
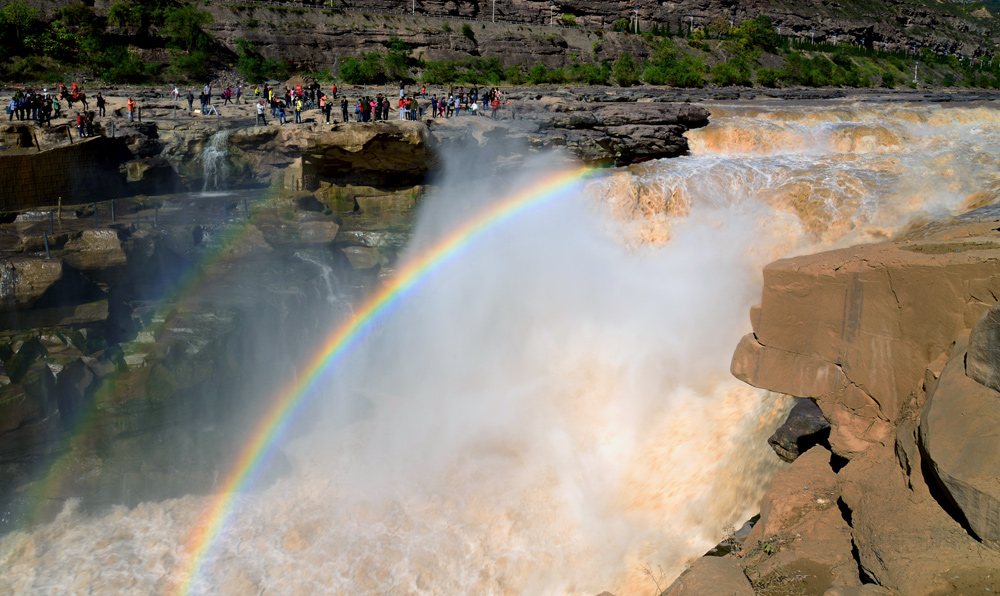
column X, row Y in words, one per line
column 215, row 166
column 325, row 273
column 551, row 412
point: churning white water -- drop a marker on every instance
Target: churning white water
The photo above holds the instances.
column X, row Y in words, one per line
column 552, row 412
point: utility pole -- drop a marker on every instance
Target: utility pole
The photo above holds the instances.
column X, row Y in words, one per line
column 691, row 26
column 413, row 6
column 637, row 19
column 552, row 7
column 494, row 11
column 915, row 71
column 812, row 36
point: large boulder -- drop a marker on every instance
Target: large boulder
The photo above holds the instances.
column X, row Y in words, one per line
column 983, row 361
column 24, row 280
column 804, row 427
column 958, row 432
column 709, row 576
column 95, row 249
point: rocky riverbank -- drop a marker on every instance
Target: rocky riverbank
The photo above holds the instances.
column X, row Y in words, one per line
column 896, row 343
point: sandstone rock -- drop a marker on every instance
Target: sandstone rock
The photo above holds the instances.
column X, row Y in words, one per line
column 806, row 533
column 379, row 204
column 958, row 434
column 983, row 361
column 709, row 576
column 865, row 590
column 23, row 280
column 905, row 540
column 304, row 228
column 804, row 427
column 854, row 417
column 362, row 257
column 95, row 249
column 856, row 328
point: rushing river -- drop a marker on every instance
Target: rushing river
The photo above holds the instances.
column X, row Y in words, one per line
column 552, row 412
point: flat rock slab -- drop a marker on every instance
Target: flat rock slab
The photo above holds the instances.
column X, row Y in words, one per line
column 711, row 576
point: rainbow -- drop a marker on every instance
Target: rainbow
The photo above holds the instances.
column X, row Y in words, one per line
column 282, row 410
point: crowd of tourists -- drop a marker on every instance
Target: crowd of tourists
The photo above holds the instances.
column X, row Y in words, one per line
column 42, row 106
column 286, row 105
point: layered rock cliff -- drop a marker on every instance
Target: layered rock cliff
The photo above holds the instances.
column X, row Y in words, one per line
column 879, row 337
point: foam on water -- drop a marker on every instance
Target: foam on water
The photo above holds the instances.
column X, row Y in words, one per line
column 553, row 412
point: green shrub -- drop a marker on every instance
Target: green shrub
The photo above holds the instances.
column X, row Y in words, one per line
column 568, row 20
column 437, row 72
column 591, row 74
column 538, row 74
column 467, row 32
column 889, row 80
column 182, row 26
column 395, row 44
column 734, row 72
column 446, row 27
column 513, row 75
column 768, row 77
column 625, row 70
column 688, row 71
column 189, row 67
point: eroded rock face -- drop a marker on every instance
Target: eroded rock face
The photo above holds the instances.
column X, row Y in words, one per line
column 905, row 540
column 983, row 361
column 870, row 333
column 24, row 280
column 856, row 328
column 709, row 576
column 958, row 432
column 802, row 502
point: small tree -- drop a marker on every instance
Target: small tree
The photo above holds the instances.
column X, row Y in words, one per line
column 625, row 70
column 718, row 28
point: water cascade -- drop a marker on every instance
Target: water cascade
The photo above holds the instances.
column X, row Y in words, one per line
column 214, row 161
column 552, row 412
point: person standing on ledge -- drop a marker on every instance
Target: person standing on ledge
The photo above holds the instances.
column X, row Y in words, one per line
column 190, row 98
column 343, row 108
column 298, row 110
column 101, row 111
column 260, row 112
column 130, row 104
